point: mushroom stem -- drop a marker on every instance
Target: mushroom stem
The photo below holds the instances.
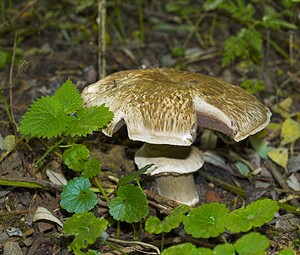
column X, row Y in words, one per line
column 179, row 188
column 173, row 169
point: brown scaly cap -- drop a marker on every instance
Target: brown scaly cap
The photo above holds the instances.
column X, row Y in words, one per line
column 165, row 106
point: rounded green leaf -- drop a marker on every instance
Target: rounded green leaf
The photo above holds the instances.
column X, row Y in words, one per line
column 179, row 249
column 85, row 227
column 153, row 225
column 76, row 156
column 130, row 205
column 186, row 249
column 77, row 196
column 255, row 214
column 252, row 244
column 207, row 220
column 287, row 252
column 91, row 168
column 224, row 249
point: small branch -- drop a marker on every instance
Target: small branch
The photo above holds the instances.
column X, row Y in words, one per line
column 101, row 38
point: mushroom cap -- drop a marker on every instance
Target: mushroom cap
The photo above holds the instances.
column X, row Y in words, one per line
column 165, row 106
column 168, row 159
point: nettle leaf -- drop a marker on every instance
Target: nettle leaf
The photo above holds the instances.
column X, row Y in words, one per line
column 186, row 249
column 224, row 249
column 130, row 205
column 252, row 244
column 77, row 197
column 89, row 119
column 69, row 97
column 154, row 225
column 45, row 119
column 207, row 220
column 133, row 176
column 86, row 228
column 75, row 157
column 255, row 214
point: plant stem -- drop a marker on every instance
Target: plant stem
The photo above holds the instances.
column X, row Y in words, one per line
column 48, row 151
column 162, row 244
column 113, row 246
column 118, row 230
column 101, row 189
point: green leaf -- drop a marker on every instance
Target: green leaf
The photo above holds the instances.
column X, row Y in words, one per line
column 89, row 119
column 252, row 244
column 186, row 249
column 45, row 119
column 75, row 157
column 130, row 205
column 290, row 131
column 86, row 228
column 224, row 249
column 280, row 156
column 69, row 97
column 91, row 168
column 133, row 176
column 154, row 225
column 77, row 196
column 261, row 146
column 254, row 215
column 287, row 252
column 207, row 220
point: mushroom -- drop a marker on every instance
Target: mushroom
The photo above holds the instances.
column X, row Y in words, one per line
column 163, row 107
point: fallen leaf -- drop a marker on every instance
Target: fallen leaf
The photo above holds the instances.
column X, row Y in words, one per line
column 12, row 248
column 283, row 108
column 279, row 156
column 290, row 131
column 42, row 213
column 293, row 164
column 293, row 182
column 56, row 178
column 261, row 146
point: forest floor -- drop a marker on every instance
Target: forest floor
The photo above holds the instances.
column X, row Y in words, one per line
column 54, row 43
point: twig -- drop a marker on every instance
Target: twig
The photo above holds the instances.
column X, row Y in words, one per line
column 101, row 38
column 11, row 117
column 272, row 168
column 147, row 245
column 28, row 182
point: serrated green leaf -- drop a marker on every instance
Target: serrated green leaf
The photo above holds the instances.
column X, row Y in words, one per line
column 91, row 168
column 77, row 197
column 89, row 119
column 45, row 119
column 171, row 221
column 252, row 244
column 186, row 249
column 75, row 157
column 133, row 176
column 254, row 215
column 130, row 205
column 207, row 220
column 86, row 228
column 69, row 97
